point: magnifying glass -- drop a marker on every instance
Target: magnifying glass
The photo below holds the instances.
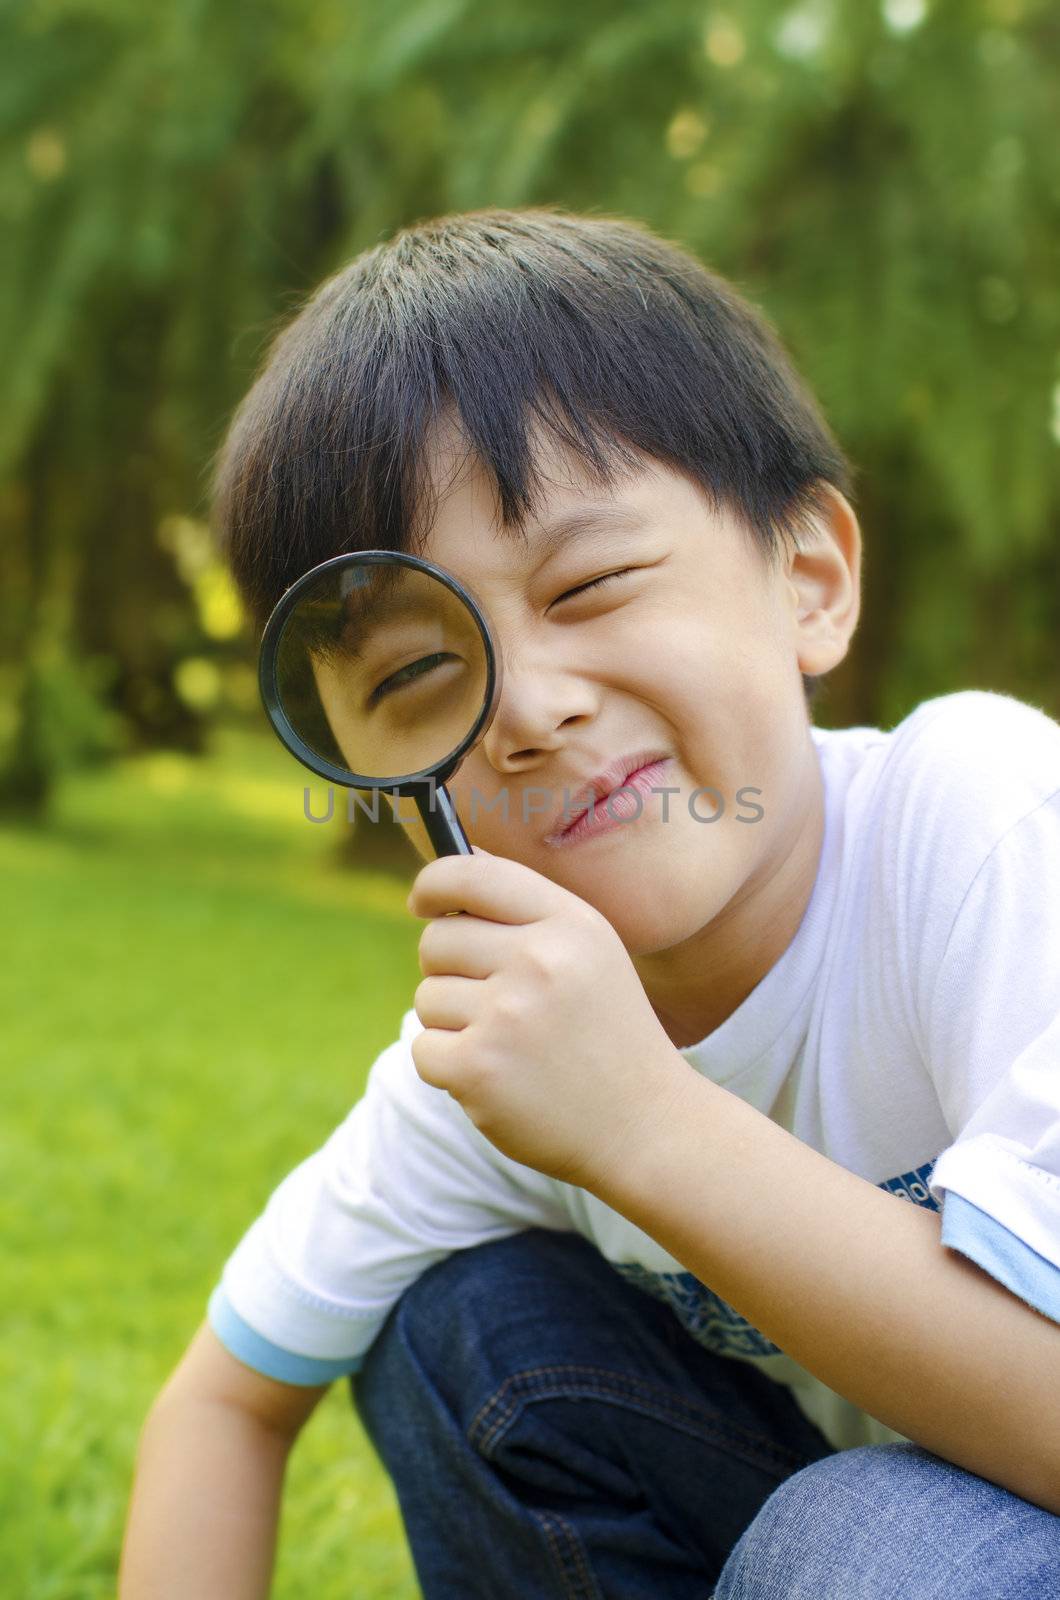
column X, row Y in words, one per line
column 379, row 671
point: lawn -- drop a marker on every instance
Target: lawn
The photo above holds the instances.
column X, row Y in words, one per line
column 192, row 996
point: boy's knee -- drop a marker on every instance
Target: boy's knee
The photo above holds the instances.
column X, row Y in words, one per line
column 474, row 1315
column 468, row 1300
column 856, row 1523
column 800, row 1543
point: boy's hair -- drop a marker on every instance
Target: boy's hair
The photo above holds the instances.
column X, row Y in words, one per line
column 617, row 341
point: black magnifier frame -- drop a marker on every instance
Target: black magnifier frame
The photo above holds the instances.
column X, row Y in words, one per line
column 425, row 787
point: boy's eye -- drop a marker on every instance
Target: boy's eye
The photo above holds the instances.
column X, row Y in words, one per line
column 593, row 584
column 407, row 675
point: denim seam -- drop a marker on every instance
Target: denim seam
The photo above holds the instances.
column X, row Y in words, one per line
column 660, row 1401
column 579, row 1585
column 661, row 1404
column 650, row 1393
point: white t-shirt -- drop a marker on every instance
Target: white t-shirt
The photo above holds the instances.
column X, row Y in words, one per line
column 910, row 1032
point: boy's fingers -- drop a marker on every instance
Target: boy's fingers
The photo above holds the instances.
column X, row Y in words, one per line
column 436, row 1057
column 487, row 886
column 446, row 1002
column 470, row 946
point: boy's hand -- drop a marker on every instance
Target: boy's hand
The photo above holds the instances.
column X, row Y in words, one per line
column 535, row 1019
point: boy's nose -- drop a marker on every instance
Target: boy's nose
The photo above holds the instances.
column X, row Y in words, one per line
column 538, row 709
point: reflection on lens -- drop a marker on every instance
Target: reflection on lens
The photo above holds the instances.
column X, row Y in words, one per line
column 381, row 669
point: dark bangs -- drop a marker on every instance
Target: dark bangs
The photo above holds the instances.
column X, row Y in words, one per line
column 616, row 341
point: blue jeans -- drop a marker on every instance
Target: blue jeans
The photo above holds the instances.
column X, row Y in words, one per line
column 551, row 1430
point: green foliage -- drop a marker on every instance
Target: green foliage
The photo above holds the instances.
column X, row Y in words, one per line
column 883, row 179
column 163, row 1072
column 58, row 722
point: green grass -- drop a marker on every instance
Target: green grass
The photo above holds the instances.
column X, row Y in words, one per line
column 191, row 995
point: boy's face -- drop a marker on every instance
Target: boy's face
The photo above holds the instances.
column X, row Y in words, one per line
column 694, row 653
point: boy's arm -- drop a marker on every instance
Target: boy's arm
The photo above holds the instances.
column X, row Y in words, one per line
column 401, row 1183
column 851, row 1282
column 205, row 1503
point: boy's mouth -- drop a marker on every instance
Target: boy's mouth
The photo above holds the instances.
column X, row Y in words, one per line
column 585, row 810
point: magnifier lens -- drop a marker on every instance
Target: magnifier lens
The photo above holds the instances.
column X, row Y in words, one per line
column 381, row 669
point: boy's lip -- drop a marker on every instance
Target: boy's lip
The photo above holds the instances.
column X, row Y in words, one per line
column 604, row 783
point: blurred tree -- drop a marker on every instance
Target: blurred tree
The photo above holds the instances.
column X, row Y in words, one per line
column 882, row 179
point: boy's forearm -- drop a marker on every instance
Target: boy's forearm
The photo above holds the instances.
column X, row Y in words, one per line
column 851, row 1283
column 205, row 1505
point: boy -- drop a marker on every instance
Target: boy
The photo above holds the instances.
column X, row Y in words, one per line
column 612, row 1242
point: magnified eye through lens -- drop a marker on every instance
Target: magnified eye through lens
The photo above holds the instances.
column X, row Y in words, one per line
column 381, row 669
column 407, row 675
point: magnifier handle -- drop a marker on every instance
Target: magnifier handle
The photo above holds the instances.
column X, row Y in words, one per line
column 442, row 823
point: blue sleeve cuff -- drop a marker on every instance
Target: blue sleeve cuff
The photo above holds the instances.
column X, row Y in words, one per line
column 1000, row 1252
column 258, row 1352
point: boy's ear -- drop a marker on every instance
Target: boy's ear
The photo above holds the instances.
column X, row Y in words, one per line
column 824, row 583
